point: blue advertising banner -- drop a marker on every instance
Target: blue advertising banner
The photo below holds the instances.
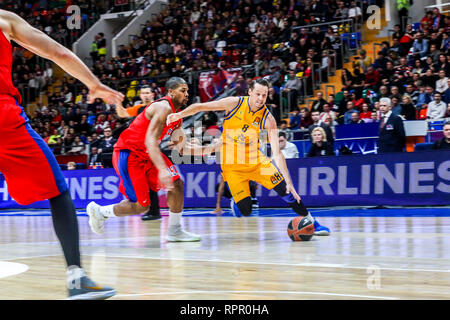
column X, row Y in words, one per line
column 420, row 178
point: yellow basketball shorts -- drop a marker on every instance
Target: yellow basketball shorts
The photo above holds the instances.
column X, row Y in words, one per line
column 238, row 177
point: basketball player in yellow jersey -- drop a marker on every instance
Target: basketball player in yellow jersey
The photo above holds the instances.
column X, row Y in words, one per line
column 241, row 159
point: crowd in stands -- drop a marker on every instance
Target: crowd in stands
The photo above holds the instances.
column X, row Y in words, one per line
column 413, row 70
column 30, row 73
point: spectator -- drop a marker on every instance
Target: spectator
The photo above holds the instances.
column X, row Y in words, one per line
column 291, row 88
column 365, row 114
column 295, row 119
column 317, row 105
column 372, row 78
column 392, row 133
column 444, row 143
column 408, row 111
column 436, row 108
column 413, row 94
column 77, row 147
column 273, row 99
column 288, row 149
column 94, row 156
column 315, row 116
column 446, row 94
column 442, row 83
column 355, row 118
column 350, row 111
column 306, row 119
column 320, row 146
column 327, row 112
column 71, row 165
column 105, row 147
column 364, row 61
column 396, row 107
column 420, row 46
column 347, row 79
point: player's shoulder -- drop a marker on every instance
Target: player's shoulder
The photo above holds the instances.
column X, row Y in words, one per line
column 5, row 19
column 268, row 121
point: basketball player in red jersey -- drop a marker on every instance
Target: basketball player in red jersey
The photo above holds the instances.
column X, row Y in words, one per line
column 141, row 165
column 30, row 169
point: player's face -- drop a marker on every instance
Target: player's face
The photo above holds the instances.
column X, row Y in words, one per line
column 258, row 95
column 180, row 94
column 147, row 95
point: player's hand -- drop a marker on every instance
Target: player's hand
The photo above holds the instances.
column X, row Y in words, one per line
column 121, row 111
column 217, row 211
column 172, row 118
column 290, row 189
column 105, row 93
column 166, row 179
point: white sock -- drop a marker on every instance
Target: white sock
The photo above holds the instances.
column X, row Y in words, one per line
column 310, row 217
column 174, row 218
column 74, row 272
column 107, row 211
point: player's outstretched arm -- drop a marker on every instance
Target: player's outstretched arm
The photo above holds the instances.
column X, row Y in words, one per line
column 278, row 157
column 180, row 143
column 225, row 104
column 158, row 116
column 39, row 43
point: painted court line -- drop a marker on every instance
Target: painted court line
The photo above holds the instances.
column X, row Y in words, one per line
column 8, row 269
column 256, row 292
column 317, row 265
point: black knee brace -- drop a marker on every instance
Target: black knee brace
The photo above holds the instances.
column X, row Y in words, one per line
column 245, row 206
column 289, row 198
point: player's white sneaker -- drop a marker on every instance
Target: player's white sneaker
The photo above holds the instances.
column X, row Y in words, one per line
column 96, row 219
column 177, row 234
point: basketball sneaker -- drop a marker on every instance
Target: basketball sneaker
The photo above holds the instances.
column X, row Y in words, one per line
column 234, row 209
column 177, row 234
column 320, row 230
column 83, row 288
column 155, row 215
column 96, row 219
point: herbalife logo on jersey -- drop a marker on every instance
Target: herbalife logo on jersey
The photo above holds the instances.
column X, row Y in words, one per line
column 205, row 143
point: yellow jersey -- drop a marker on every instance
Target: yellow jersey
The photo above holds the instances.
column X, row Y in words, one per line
column 240, row 136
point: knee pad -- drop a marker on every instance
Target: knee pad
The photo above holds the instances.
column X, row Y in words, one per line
column 245, row 206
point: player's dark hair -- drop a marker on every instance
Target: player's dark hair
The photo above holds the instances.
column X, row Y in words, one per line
column 174, row 83
column 282, row 134
column 146, row 87
column 260, row 81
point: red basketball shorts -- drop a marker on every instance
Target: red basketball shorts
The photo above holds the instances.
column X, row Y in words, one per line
column 138, row 176
column 29, row 166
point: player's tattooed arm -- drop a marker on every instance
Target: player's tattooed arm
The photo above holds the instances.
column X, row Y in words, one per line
column 225, row 104
column 280, row 161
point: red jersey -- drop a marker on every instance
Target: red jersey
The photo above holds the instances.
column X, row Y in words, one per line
column 6, row 84
column 133, row 138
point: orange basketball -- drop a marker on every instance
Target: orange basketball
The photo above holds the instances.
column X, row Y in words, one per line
column 300, row 229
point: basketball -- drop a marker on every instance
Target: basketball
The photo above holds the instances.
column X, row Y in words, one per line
column 300, row 229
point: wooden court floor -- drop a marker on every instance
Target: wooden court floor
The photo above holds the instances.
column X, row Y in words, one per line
column 252, row 258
